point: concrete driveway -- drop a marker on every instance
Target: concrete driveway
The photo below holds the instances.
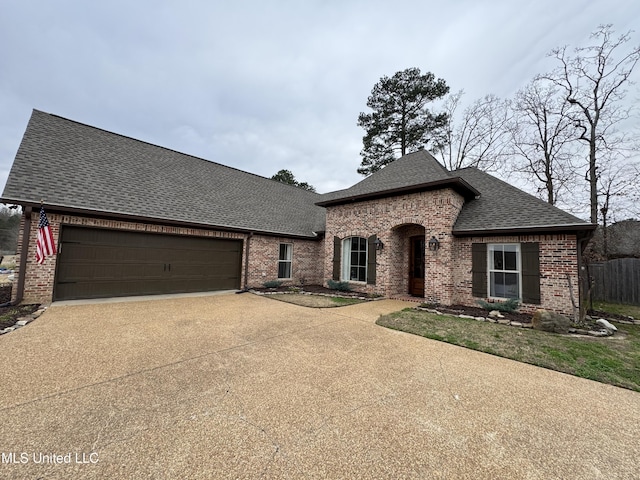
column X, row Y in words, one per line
column 240, row 386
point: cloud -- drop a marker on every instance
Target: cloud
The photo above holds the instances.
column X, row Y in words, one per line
column 263, row 86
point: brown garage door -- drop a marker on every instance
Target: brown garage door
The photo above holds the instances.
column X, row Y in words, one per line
column 96, row 263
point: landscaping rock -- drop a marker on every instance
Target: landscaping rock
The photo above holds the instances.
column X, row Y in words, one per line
column 22, row 323
column 481, row 319
column 516, row 324
column 466, row 316
column 607, row 325
column 502, row 321
column 599, row 333
column 495, row 314
column 550, row 322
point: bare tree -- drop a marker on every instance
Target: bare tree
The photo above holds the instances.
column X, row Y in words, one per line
column 593, row 81
column 479, row 138
column 543, row 136
column 618, row 187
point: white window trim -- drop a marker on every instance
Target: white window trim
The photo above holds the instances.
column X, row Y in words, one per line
column 345, row 272
column 289, row 261
column 490, row 250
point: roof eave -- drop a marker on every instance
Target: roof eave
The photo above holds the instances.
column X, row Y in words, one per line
column 540, row 229
column 457, row 183
column 87, row 212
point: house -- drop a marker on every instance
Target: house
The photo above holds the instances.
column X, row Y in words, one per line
column 131, row 218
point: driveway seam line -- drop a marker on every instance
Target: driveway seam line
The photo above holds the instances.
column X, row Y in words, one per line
column 158, row 367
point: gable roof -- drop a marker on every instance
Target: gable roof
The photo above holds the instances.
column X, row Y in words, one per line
column 503, row 208
column 413, row 172
column 82, row 169
column 76, row 167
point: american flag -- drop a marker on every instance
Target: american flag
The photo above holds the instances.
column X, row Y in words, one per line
column 45, row 246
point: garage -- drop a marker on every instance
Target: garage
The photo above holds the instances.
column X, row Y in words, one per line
column 98, row 263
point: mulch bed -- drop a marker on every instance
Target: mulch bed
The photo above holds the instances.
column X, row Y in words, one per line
column 5, row 293
column 451, row 309
column 317, row 289
column 481, row 312
column 607, row 315
column 9, row 315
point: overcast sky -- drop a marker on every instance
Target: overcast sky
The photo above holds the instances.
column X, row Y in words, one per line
column 267, row 85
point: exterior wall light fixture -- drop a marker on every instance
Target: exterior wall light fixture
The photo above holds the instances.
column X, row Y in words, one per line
column 378, row 243
column 434, row 244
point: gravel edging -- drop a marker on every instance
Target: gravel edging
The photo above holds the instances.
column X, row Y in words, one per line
column 603, row 332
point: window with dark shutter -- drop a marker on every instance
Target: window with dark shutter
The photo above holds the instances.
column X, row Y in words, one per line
column 479, row 269
column 337, row 254
column 371, row 260
column 530, row 273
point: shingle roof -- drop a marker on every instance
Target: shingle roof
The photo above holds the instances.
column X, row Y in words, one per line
column 69, row 164
column 417, row 170
column 503, row 207
column 74, row 166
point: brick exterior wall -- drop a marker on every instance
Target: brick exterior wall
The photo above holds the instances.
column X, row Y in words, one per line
column 263, row 254
column 394, row 220
column 448, row 270
column 306, row 267
column 558, row 259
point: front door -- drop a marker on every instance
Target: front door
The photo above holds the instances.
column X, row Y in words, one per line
column 416, row 267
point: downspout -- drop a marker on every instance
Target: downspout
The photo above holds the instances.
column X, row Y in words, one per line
column 246, row 265
column 24, row 252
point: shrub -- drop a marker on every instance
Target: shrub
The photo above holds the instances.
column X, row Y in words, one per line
column 509, row 306
column 430, row 305
column 272, row 284
column 295, row 289
column 340, row 286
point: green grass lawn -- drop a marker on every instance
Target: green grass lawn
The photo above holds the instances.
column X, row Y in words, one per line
column 614, row 360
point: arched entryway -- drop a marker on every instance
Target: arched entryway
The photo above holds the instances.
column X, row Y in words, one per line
column 408, row 264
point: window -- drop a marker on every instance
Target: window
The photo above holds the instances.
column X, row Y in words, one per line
column 354, row 259
column 284, row 260
column 504, row 270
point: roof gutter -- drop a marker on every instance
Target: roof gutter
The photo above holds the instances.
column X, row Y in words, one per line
column 457, row 183
column 86, row 212
column 576, row 227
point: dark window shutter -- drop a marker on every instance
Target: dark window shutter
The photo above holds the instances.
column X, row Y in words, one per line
column 337, row 253
column 371, row 260
column 530, row 272
column 479, row 269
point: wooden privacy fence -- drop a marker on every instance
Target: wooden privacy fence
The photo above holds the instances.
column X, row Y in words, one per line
column 616, row 281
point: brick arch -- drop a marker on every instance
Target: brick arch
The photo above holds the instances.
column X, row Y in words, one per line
column 399, row 255
column 407, row 222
